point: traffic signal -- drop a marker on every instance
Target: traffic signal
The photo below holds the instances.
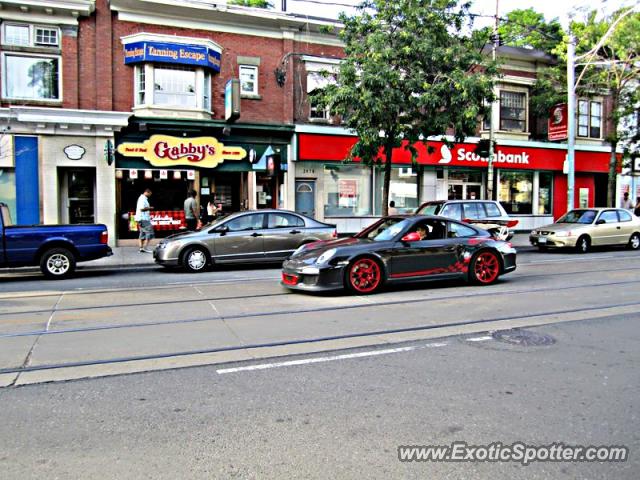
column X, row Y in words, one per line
column 483, row 147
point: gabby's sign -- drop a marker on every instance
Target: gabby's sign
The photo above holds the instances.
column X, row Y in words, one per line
column 166, row 151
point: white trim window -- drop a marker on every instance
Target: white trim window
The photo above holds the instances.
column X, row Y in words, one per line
column 172, row 86
column 248, row 80
column 513, row 111
column 26, row 35
column 316, row 81
column 589, row 118
column 31, row 77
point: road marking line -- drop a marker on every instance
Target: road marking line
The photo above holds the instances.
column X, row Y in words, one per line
column 306, row 361
column 479, row 339
column 347, row 356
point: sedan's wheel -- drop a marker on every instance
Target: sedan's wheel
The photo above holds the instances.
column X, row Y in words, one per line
column 364, row 275
column 485, row 268
column 57, row 263
column 583, row 244
column 195, row 260
column 634, row 242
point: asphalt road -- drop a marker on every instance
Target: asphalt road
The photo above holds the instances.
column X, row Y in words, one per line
column 110, row 322
column 343, row 418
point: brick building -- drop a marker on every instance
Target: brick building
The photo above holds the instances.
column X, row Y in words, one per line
column 101, row 99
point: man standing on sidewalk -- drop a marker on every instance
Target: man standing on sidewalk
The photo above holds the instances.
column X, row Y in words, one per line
column 143, row 217
column 191, row 211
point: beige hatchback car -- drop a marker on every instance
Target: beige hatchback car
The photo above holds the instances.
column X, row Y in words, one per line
column 583, row 228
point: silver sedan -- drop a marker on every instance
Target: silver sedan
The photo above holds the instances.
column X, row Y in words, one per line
column 259, row 236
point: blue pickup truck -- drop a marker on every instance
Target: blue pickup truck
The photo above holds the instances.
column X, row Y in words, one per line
column 56, row 248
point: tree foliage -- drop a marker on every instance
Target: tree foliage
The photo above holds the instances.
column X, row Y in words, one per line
column 252, row 3
column 409, row 73
column 529, row 29
column 615, row 71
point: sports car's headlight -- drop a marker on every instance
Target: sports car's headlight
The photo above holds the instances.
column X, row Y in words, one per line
column 326, row 256
column 298, row 250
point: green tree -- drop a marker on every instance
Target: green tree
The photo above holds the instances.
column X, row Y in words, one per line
column 613, row 70
column 410, row 72
column 252, row 3
column 529, row 29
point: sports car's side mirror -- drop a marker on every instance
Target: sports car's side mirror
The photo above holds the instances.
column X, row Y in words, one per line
column 411, row 237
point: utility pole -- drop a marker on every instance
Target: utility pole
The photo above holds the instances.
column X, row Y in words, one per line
column 495, row 40
column 571, row 121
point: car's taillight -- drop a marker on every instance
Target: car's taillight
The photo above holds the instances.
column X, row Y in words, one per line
column 104, row 237
column 512, row 223
column 335, row 233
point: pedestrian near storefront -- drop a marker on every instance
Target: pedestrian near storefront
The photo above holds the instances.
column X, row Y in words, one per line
column 212, row 210
column 143, row 217
column 191, row 211
column 626, row 202
column 392, row 208
column 636, row 211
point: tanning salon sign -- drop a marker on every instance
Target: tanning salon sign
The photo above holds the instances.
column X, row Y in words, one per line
column 166, row 151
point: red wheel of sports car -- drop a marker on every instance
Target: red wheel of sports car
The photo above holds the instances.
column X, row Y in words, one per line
column 364, row 275
column 485, row 268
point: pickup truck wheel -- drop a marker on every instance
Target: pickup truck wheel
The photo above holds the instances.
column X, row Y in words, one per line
column 58, row 263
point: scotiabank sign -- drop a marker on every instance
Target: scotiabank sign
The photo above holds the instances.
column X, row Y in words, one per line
column 166, row 151
column 336, row 148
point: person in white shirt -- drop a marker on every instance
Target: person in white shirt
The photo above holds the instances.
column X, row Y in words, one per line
column 392, row 208
column 143, row 217
column 626, row 202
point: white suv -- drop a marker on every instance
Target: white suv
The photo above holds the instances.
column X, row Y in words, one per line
column 486, row 214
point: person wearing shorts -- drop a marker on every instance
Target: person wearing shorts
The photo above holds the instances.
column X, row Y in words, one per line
column 143, row 217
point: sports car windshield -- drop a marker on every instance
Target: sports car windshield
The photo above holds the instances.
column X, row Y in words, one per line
column 384, row 229
column 578, row 216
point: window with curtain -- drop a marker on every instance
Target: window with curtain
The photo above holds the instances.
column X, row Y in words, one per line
column 347, row 190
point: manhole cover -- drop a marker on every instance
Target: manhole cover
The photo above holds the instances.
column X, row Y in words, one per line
column 524, row 338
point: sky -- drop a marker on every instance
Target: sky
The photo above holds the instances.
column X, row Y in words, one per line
column 561, row 9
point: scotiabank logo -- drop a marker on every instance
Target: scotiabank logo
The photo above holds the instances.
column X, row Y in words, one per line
column 166, row 151
column 500, row 157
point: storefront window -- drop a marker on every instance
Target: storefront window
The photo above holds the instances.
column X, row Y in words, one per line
column 347, row 190
column 8, row 190
column 516, row 192
column 545, row 193
column 403, row 189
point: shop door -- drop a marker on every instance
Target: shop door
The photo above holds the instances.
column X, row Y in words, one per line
column 306, row 197
column 78, row 188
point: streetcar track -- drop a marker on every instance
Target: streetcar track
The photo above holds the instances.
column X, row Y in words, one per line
column 247, row 297
column 173, row 285
column 238, row 316
column 115, row 360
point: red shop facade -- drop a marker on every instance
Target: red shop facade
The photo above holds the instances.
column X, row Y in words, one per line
column 529, row 179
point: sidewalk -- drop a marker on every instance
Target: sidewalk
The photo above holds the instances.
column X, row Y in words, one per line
column 129, row 256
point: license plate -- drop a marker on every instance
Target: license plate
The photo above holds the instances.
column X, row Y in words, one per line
column 542, row 240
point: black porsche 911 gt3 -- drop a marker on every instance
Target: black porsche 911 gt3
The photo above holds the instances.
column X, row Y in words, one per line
column 399, row 249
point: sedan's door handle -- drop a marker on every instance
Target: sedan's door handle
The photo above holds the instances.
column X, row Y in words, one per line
column 618, row 227
column 293, row 232
column 256, row 234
